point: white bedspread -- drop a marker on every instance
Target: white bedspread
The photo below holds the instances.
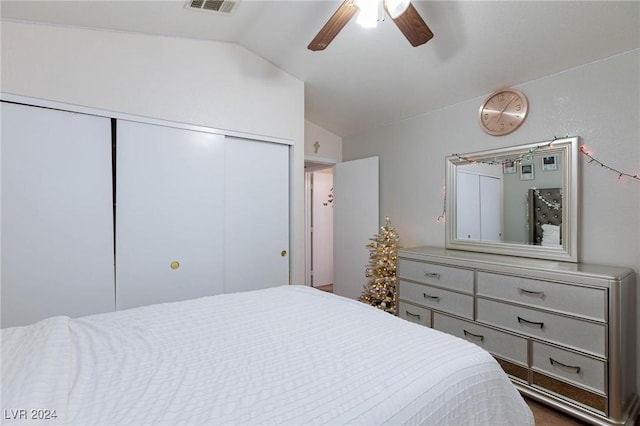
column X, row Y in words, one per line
column 288, row 355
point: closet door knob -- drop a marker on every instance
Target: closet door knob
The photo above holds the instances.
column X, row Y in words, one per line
column 175, row 264
column 283, row 253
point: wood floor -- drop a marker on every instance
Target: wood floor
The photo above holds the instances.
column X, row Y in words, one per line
column 328, row 288
column 547, row 416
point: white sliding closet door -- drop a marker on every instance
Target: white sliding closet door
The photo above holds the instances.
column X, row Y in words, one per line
column 169, row 214
column 57, row 214
column 256, row 215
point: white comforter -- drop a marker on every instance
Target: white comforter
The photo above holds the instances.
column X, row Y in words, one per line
column 288, row 355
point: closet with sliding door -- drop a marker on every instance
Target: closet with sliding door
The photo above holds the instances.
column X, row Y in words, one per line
column 479, row 206
column 57, row 215
column 102, row 214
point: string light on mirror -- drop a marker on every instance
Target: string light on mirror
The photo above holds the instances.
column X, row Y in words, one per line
column 529, row 155
column 526, row 157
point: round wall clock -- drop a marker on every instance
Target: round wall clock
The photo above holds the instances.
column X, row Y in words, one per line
column 503, row 112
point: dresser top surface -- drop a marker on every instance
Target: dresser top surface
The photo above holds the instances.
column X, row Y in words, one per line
column 481, row 260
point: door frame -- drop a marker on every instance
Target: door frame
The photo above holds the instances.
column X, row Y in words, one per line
column 43, row 103
column 311, row 164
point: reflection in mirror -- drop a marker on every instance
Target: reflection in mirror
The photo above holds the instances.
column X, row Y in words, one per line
column 506, row 201
column 519, row 200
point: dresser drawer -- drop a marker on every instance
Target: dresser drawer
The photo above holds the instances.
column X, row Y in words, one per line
column 436, row 298
column 574, row 368
column 414, row 313
column 567, row 331
column 584, row 301
column 502, row 344
column 442, row 276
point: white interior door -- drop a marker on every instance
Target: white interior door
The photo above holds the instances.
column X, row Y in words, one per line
column 356, row 220
column 256, row 219
column 57, row 214
column 169, row 214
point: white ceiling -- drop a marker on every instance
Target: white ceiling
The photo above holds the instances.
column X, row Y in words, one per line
column 369, row 77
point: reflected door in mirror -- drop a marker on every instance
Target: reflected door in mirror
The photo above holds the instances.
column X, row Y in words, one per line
column 478, row 207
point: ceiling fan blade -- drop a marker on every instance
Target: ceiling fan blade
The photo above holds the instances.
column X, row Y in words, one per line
column 333, row 26
column 413, row 27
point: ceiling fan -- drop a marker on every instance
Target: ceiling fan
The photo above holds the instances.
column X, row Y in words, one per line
column 402, row 12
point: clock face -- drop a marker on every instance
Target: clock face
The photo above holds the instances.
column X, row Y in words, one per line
column 503, row 112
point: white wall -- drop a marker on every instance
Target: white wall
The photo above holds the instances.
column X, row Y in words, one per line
column 212, row 84
column 329, row 144
column 599, row 102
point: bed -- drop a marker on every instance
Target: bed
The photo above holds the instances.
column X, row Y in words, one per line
column 288, row 355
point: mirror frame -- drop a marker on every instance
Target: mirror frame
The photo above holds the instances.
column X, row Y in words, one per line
column 568, row 252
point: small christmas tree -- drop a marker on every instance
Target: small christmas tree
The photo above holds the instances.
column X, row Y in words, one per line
column 380, row 289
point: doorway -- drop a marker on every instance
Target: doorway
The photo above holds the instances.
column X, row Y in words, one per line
column 318, row 179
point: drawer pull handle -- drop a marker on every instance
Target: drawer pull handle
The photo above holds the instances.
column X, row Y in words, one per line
column 526, row 322
column 434, row 298
column 568, row 367
column 539, row 294
column 411, row 314
column 433, row 275
column 475, row 336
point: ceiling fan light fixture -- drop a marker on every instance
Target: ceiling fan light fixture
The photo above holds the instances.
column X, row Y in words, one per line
column 409, row 21
column 396, row 8
column 368, row 13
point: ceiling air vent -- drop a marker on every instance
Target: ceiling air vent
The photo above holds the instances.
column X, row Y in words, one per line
column 218, row 6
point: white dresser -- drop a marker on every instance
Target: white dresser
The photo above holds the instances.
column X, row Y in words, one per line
column 563, row 332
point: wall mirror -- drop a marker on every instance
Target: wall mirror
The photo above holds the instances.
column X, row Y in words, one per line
column 519, row 201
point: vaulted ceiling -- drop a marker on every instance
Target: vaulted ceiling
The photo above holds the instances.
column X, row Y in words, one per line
column 369, row 77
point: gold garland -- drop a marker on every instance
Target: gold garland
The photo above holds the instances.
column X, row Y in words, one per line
column 551, row 204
